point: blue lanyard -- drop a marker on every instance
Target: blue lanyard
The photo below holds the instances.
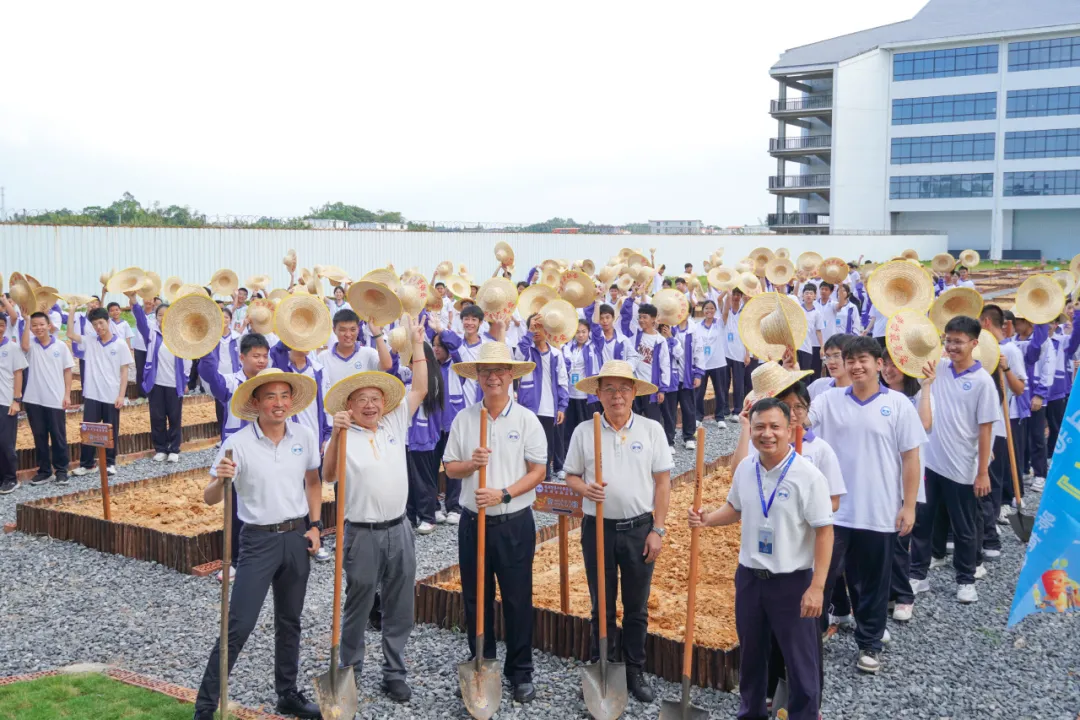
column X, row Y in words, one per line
column 761, row 491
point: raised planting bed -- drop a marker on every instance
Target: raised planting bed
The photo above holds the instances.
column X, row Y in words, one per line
column 716, row 655
column 162, row 520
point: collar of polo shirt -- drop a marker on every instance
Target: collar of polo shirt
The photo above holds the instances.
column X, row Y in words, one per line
column 604, row 421
column 262, row 436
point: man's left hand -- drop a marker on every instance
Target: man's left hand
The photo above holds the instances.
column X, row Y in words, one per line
column 812, row 600
column 314, row 539
column 653, row 545
column 559, row 417
column 982, row 484
column 697, row 383
column 488, row 497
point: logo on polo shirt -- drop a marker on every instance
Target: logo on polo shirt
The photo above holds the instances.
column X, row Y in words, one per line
column 636, row 447
column 113, row 352
column 4, row 354
column 886, row 411
column 297, row 449
column 513, row 436
column 392, row 439
column 966, row 385
column 782, row 494
column 56, row 353
column 358, row 364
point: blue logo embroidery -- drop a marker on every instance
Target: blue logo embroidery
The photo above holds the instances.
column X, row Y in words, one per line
column 5, row 353
column 113, row 353
column 393, row 440
column 297, row 449
column 886, row 412
column 359, row 364
column 782, row 494
column 513, row 436
column 56, row 353
column 966, row 385
column 636, row 447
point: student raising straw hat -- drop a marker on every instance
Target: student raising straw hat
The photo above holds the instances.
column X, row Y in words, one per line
column 770, row 379
column 899, row 284
column 953, row 302
column 913, row 342
column 303, row 322
column 244, row 403
column 1039, row 300
column 192, row 326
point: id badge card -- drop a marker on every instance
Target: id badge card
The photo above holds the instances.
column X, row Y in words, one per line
column 708, row 350
column 574, row 378
column 731, row 337
column 765, row 541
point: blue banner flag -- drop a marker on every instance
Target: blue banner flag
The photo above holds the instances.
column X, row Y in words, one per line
column 1050, row 577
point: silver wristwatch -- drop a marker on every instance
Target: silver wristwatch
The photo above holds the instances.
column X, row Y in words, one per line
column 660, row 531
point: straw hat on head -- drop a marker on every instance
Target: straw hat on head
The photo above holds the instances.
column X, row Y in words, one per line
column 954, row 302
column 290, row 260
column 943, row 263
column 912, row 341
column 560, row 320
column 910, row 254
column 722, row 278
column 192, row 326
column 303, row 322
column 771, row 324
column 899, row 284
column 168, row 290
column 504, row 253
column 1067, row 279
column 393, row 390
column 413, row 295
column 261, row 317
column 761, row 257
column 783, row 253
column 672, row 307
column 1039, row 300
column 191, row 290
column 457, row 286
column 577, row 288
column 744, row 265
column 809, row 261
column 833, row 270
column 104, row 277
column 1074, row 264
column 550, row 276
column 779, row 271
column 151, row 286
column 497, row 297
column 125, row 281
column 770, row 379
column 625, row 282
column 615, row 369
column 258, row 282
column 303, row 387
column 970, row 258
column 374, row 302
column 22, row 294
column 987, row 352
column 493, row 353
column 224, row 282
column 535, row 297
column 749, row 284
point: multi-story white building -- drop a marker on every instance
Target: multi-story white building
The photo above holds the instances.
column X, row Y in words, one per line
column 964, row 119
column 675, row 227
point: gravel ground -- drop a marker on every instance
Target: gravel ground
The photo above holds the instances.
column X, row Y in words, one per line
column 69, row 604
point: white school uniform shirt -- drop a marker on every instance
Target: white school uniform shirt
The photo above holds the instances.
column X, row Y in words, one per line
column 963, row 401
column 575, row 358
column 814, row 323
column 878, row 322
column 47, row 364
column 137, row 342
column 630, row 456
column 514, row 437
column 377, row 485
column 546, row 408
column 337, row 367
column 821, row 455
column 515, row 330
column 269, row 480
column 801, row 505
column 103, row 363
column 608, row 351
column 166, row 366
column 11, row 361
column 713, row 343
column 827, row 315
column 735, row 349
column 1015, row 360
column 819, row 386
column 334, row 308
column 840, row 316
column 239, row 313
column 309, row 416
column 647, row 355
column 12, row 330
column 871, row 436
column 967, row 284
column 121, row 329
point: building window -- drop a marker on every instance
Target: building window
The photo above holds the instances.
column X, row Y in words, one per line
column 1042, row 144
column 981, row 60
column 914, row 187
column 944, row 108
column 1042, row 182
column 943, row 148
column 1043, row 102
column 1044, row 54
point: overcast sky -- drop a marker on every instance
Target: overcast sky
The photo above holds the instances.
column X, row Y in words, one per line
column 501, row 111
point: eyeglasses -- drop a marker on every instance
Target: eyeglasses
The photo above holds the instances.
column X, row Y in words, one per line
column 834, row 357
column 365, row 400
column 798, row 407
column 956, row 343
column 487, row 371
column 611, row 390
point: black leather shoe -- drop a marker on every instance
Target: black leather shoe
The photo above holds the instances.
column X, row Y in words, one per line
column 635, row 683
column 294, row 703
column 524, row 692
column 397, row 690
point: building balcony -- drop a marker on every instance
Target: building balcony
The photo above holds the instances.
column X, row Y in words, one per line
column 801, row 146
column 799, row 222
column 819, row 106
column 817, row 183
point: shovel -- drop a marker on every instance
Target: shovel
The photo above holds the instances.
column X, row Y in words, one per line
column 335, row 690
column 603, row 684
column 683, row 710
column 481, row 684
column 1020, row 523
column 226, row 560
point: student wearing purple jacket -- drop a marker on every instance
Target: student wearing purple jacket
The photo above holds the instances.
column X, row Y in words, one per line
column 581, row 363
column 453, row 403
column 544, row 390
column 1038, row 361
column 164, row 382
column 422, row 441
column 1064, row 348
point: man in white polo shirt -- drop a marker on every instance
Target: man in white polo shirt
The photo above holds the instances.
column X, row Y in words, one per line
column 957, row 457
column 108, row 365
column 515, row 453
column 637, row 464
column 12, row 364
column 47, row 396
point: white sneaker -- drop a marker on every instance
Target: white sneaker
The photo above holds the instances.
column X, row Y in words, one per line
column 440, row 517
column 1038, row 484
column 902, row 612
column 425, row 528
column 111, row 469
column 721, row 424
column 1003, row 515
column 173, row 457
column 561, row 474
column 842, row 621
column 80, row 471
column 967, row 594
column 232, row 574
column 991, row 554
column 980, row 572
column 949, row 547
column 936, row 563
column 159, row 457
column 323, row 554
column 690, row 444
column 919, row 586
column 453, row 518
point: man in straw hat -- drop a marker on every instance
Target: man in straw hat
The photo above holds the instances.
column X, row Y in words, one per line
column 12, row 366
column 515, row 453
column 466, row 346
column 164, row 383
column 275, row 472
column 637, row 465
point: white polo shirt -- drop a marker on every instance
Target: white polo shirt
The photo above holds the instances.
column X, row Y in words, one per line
column 120, row 329
column 1015, row 360
column 839, row 317
column 630, row 457
column 819, row 386
column 11, row 361
column 821, row 455
column 871, row 436
column 713, row 343
column 377, row 486
column 814, row 322
column 338, row 367
column 516, row 436
column 735, row 349
column 103, row 363
column 47, row 364
column 801, row 505
column 963, row 401
column 269, row 479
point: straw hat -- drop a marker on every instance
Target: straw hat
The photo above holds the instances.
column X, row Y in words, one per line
column 744, row 265
column 1074, row 264
column 783, row 253
column 304, row 276
column 868, row 268
column 493, row 353
column 399, row 341
column 224, row 282
column 910, row 254
column 151, row 286
column 770, row 379
column 46, row 297
column 535, row 297
column 779, row 271
column 444, row 269
column 497, row 297
column 969, row 258
column 279, row 294
column 607, row 274
column 335, row 275
column 899, row 284
column 258, row 282
column 1039, row 300
column 393, row 390
column 560, row 320
column 625, row 253
column 303, row 322
column 104, row 277
column 550, row 275
column 636, row 259
column 672, row 307
column 761, row 257
column 809, row 261
column 457, row 286
column 168, row 291
column 504, row 253
column 987, row 352
column 615, row 369
column 1067, row 279
column 261, row 316
column 624, row 283
column 912, row 341
column 943, row 263
column 191, row 290
column 770, row 324
column 192, row 326
column 303, row 387
column 954, row 302
column 76, row 301
column 374, row 302
column 722, row 278
column 577, row 288
column 22, row 294
column 290, row 260
column 588, row 267
column 413, row 294
column 833, row 270
column 749, row 284
column 125, row 281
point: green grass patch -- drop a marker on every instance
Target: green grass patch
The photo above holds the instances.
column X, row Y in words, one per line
column 86, row 697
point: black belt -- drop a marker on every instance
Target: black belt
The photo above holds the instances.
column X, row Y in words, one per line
column 624, row 525
column 376, row 525
column 761, row 574
column 496, row 519
column 300, row 523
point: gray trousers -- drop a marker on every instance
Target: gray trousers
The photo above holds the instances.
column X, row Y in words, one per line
column 382, row 561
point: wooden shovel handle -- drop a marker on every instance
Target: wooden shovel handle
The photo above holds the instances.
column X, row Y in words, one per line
column 601, row 573
column 691, row 590
column 481, row 532
column 1009, row 436
column 798, row 438
column 226, row 562
column 339, row 544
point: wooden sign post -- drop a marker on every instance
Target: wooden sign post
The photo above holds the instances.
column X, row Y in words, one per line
column 558, row 498
column 99, row 435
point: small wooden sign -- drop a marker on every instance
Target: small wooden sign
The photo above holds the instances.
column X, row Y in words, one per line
column 96, row 434
column 558, row 498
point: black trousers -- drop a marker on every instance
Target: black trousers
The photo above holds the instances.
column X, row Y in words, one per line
column 140, row 362
column 688, row 412
column 268, row 560
column 166, row 419
column 452, row 500
column 1036, row 455
column 900, row 582
column 644, row 407
column 623, row 555
column 508, row 558
column 865, row 558
column 99, row 412
column 959, row 503
column 49, row 425
column 193, row 376
column 1055, row 415
column 720, row 378
column 556, row 453
column 9, row 427
column 740, row 382
column 1019, row 435
column 816, row 362
column 423, row 486
column 990, row 505
column 221, row 413
column 806, row 360
column 577, row 412
column 667, row 414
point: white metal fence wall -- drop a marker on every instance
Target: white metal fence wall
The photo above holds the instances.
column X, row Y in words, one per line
column 71, row 257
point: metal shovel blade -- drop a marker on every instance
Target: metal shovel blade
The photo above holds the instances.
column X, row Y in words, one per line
column 604, row 687
column 780, row 699
column 682, row 710
column 481, row 687
column 1022, row 525
column 335, row 691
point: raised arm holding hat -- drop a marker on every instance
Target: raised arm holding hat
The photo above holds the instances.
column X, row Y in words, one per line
column 544, row 391
column 164, row 383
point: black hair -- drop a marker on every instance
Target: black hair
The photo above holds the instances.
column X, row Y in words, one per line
column 910, row 386
column 226, row 311
column 824, row 285
column 440, row 284
column 586, row 323
column 99, row 314
column 112, row 305
column 522, row 285
column 1010, row 316
column 863, row 345
column 809, row 286
column 707, row 302
column 40, row 315
column 528, row 321
column 770, row 404
column 606, row 309
column 471, row 311
column 435, row 398
column 3, row 318
column 799, row 390
column 244, row 289
column 840, row 341
column 613, row 286
column 666, row 283
column 737, row 291
column 681, row 280
column 688, row 265
column 647, row 309
column 994, row 314
column 346, row 316
column 93, row 296
column 253, row 341
column 963, row 324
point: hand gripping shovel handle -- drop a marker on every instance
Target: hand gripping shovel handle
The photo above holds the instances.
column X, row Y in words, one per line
column 226, row 561
column 481, row 546
column 601, row 571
